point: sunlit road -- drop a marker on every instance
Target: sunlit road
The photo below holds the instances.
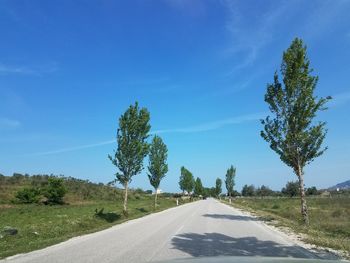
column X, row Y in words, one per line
column 203, row 228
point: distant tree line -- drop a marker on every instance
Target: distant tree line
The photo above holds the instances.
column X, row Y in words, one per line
column 291, row 189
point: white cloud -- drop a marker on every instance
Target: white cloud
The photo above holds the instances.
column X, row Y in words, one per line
column 192, row 129
column 214, row 125
column 75, row 148
column 247, row 39
column 8, row 123
column 24, row 70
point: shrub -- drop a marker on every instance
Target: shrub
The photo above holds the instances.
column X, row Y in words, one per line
column 55, row 191
column 28, row 195
column 275, row 206
column 337, row 213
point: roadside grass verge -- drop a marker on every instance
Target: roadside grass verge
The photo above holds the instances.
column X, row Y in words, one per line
column 40, row 226
column 329, row 218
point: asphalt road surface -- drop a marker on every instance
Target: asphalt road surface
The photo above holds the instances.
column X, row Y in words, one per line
column 203, row 228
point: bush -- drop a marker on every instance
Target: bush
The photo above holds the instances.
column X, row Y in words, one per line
column 275, row 206
column 311, row 191
column 55, row 191
column 28, row 195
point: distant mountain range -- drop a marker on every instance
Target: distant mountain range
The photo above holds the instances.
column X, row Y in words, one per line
column 343, row 185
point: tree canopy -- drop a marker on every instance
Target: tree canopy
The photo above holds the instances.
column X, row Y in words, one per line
column 186, row 180
column 157, row 166
column 218, row 186
column 230, row 180
column 292, row 131
column 132, row 147
column 198, row 187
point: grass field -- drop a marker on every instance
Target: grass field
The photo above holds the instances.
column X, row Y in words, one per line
column 40, row 226
column 329, row 218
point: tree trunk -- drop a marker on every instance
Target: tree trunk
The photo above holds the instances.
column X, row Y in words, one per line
column 155, row 199
column 304, row 211
column 125, row 208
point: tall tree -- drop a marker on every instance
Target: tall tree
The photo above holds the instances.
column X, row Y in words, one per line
column 157, row 166
column 198, row 187
column 292, row 132
column 218, row 186
column 186, row 180
column 132, row 146
column 248, row 190
column 291, row 189
column 230, row 180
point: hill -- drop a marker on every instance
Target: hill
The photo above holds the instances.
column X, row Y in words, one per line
column 342, row 186
column 78, row 190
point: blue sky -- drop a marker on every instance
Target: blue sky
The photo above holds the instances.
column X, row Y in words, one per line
column 69, row 69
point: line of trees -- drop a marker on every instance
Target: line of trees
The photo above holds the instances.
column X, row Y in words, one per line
column 290, row 130
column 291, row 189
column 194, row 187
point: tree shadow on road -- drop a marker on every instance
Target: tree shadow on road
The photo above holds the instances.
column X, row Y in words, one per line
column 216, row 244
column 232, row 217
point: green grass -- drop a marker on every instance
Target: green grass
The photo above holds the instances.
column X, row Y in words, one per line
column 55, row 224
column 329, row 218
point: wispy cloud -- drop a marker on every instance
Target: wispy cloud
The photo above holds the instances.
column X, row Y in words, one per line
column 250, row 37
column 214, row 125
column 248, row 40
column 192, row 8
column 323, row 18
column 8, row 123
column 340, row 99
column 208, row 126
column 25, row 70
column 71, row 149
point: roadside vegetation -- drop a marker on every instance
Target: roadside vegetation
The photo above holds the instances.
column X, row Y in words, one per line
column 329, row 224
column 86, row 207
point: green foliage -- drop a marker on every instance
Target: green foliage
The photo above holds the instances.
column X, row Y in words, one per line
column 157, row 166
column 186, row 180
column 291, row 132
column 28, row 195
column 248, row 190
column 218, row 187
column 207, row 192
column 312, row 191
column 77, row 190
column 132, row 145
column 198, row 187
column 230, row 180
column 291, row 189
column 264, row 191
column 55, row 191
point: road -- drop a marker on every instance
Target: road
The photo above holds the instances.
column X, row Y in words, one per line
column 203, row 228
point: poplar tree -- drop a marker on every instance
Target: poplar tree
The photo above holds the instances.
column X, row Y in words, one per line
column 186, row 181
column 157, row 166
column 292, row 131
column 218, row 185
column 230, row 180
column 132, row 146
